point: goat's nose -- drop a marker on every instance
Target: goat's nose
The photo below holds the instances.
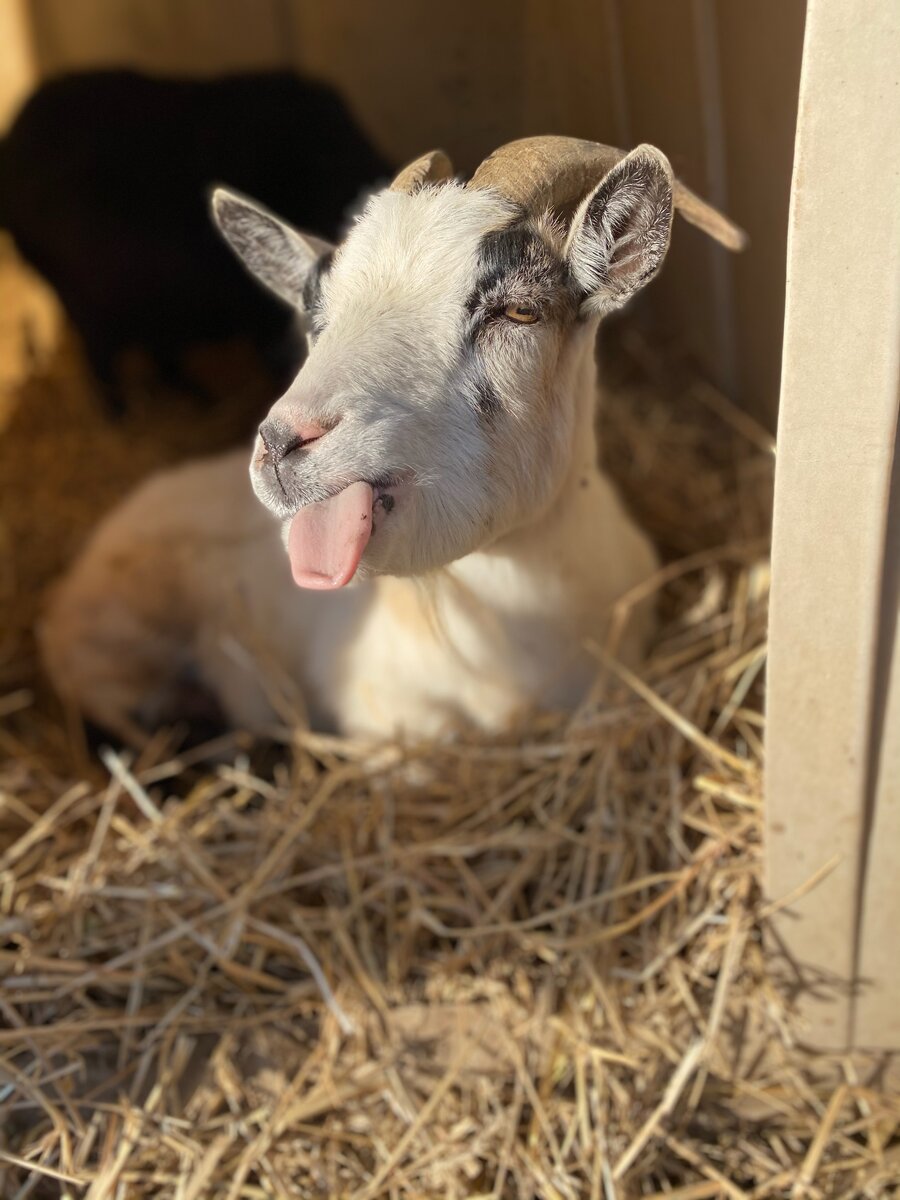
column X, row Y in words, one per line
column 281, row 438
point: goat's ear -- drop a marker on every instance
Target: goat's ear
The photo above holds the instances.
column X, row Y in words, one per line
column 620, row 233
column 279, row 256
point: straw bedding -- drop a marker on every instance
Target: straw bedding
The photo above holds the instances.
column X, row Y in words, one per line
column 525, row 966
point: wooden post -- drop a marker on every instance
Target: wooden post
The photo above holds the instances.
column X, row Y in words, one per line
column 876, row 1020
column 828, row 764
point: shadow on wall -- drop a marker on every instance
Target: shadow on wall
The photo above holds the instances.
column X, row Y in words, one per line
column 104, row 183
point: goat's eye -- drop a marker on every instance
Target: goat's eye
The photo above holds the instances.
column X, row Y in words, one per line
column 522, row 314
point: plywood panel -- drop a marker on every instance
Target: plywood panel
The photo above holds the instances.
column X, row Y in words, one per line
column 714, row 82
column 568, row 71
column 420, row 75
column 760, row 45
column 664, row 106
column 877, row 1017
column 189, row 36
column 837, row 430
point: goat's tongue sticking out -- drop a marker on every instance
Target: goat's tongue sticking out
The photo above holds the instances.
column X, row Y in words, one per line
column 326, row 540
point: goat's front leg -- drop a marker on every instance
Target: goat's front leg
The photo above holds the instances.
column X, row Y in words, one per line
column 157, row 619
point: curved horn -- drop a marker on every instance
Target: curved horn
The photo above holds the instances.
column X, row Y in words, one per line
column 555, row 172
column 545, row 172
column 430, row 168
column 697, row 211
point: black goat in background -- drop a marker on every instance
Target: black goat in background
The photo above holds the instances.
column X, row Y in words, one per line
column 104, row 183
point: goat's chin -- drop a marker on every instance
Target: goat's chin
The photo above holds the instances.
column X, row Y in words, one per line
column 412, row 535
column 391, row 551
column 410, row 548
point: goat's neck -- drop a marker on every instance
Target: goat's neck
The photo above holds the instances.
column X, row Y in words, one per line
column 580, row 536
column 517, row 614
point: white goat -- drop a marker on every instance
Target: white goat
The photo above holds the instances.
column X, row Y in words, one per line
column 437, row 449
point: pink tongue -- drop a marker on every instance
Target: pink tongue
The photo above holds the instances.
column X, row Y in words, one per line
column 327, row 540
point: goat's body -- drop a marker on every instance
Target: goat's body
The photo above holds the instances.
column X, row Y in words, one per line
column 437, row 447
column 188, row 579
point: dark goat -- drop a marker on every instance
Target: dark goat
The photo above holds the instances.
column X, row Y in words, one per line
column 104, row 183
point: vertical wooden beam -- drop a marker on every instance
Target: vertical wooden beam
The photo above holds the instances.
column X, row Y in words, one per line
column 876, row 1021
column 760, row 46
column 665, row 107
column 705, row 28
column 836, row 442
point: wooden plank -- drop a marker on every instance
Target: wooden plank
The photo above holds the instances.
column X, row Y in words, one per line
column 876, row 1020
column 877, row 1016
column 760, row 47
column 568, row 71
column 665, row 107
column 835, row 451
column 172, row 36
column 418, row 75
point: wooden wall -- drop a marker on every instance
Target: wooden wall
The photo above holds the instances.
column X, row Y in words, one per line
column 714, row 82
column 18, row 68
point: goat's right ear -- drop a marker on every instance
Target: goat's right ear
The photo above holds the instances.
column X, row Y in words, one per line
column 276, row 254
column 620, row 233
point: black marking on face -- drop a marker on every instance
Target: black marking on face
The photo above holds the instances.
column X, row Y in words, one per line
column 487, row 400
column 517, row 265
column 312, row 292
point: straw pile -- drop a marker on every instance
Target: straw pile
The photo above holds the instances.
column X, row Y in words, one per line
column 522, row 967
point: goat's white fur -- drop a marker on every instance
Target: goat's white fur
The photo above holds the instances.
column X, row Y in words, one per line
column 506, row 550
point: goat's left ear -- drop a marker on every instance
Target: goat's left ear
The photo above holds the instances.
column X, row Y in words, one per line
column 620, row 233
column 278, row 255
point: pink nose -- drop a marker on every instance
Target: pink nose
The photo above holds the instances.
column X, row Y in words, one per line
column 281, row 438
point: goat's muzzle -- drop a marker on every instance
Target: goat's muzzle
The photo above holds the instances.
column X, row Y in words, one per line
column 280, row 438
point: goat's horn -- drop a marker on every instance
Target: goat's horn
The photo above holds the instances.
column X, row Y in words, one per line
column 545, row 172
column 697, row 211
column 555, row 172
column 430, row 168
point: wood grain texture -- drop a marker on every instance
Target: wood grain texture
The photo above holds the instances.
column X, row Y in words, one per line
column 664, row 103
column 877, row 1013
column 837, row 431
column 876, row 1020
column 420, row 76
column 759, row 53
column 169, row 36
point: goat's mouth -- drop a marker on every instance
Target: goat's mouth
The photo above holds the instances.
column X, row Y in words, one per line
column 327, row 539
